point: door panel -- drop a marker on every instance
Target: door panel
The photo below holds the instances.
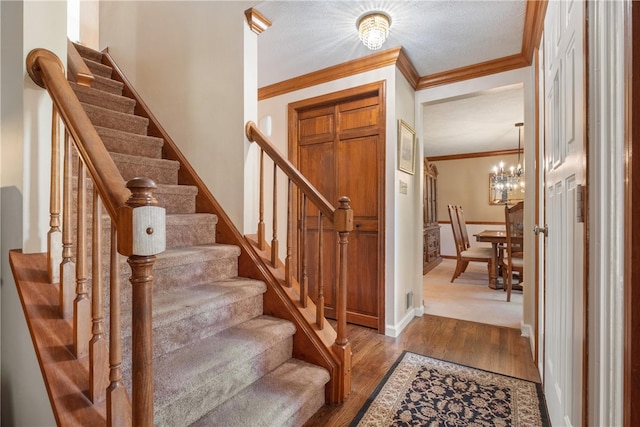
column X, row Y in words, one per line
column 340, row 150
column 565, row 158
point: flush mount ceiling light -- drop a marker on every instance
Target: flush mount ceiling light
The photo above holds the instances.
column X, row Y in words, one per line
column 373, row 29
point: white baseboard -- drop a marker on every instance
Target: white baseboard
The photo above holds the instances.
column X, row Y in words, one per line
column 527, row 331
column 395, row 330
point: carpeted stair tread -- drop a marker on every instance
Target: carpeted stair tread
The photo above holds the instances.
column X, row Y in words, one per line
column 187, row 315
column 177, row 199
column 112, row 119
column 88, row 53
column 161, row 171
column 99, row 98
column 192, row 381
column 288, row 396
column 108, row 85
column 131, row 143
column 98, row 68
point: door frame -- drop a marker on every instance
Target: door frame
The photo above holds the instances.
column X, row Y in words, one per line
column 631, row 370
column 377, row 89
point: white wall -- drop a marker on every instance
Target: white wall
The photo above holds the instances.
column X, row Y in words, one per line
column 521, row 75
column 407, row 221
column 187, row 60
column 396, row 229
column 24, row 199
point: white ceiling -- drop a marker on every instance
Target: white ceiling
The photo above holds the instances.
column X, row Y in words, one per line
column 437, row 36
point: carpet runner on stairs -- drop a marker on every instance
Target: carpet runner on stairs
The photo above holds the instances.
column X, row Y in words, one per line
column 217, row 359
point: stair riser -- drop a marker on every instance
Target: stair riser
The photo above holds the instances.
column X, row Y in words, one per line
column 107, row 85
column 174, row 201
column 130, row 144
column 177, row 236
column 160, row 174
column 99, row 69
column 191, row 407
column 129, row 168
column 192, row 329
column 100, row 99
column 88, row 53
column 114, row 120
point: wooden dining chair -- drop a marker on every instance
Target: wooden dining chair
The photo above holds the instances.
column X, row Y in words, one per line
column 464, row 253
column 513, row 258
column 463, row 227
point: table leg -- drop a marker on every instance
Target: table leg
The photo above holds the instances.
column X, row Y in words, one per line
column 493, row 276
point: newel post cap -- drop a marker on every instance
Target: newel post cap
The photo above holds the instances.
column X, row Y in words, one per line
column 343, row 217
column 141, row 223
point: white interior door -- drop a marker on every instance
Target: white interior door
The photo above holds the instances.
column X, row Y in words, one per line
column 564, row 174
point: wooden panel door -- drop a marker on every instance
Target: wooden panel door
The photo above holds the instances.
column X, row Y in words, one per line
column 339, row 148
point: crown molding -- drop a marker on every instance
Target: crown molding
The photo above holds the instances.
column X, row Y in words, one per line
column 474, row 155
column 346, row 69
column 532, row 33
column 257, row 21
column 473, row 71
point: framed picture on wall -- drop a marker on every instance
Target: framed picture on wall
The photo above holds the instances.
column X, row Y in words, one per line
column 502, row 196
column 406, row 147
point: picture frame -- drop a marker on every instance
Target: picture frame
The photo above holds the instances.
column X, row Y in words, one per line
column 498, row 197
column 406, row 147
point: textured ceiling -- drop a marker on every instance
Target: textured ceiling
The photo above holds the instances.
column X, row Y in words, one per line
column 483, row 120
column 437, row 36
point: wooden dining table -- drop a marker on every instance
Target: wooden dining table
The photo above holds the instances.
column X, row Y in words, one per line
column 495, row 237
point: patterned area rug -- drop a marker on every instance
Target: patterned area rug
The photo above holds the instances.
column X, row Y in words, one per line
column 422, row 391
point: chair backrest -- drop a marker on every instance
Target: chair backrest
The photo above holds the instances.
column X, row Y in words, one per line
column 463, row 227
column 455, row 227
column 514, row 223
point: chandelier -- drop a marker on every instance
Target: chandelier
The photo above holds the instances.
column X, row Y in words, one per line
column 373, row 29
column 507, row 181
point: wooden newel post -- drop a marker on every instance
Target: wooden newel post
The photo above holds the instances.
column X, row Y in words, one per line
column 142, row 235
column 343, row 222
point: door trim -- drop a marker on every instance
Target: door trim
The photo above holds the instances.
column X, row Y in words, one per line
column 377, row 89
column 632, row 210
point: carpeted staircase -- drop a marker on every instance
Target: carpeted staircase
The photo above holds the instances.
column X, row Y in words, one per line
column 217, row 359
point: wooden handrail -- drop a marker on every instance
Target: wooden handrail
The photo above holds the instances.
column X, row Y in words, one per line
column 78, row 69
column 342, row 220
column 46, row 70
column 310, row 343
column 140, row 229
column 254, row 135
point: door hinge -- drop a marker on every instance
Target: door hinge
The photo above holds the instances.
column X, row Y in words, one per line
column 581, row 202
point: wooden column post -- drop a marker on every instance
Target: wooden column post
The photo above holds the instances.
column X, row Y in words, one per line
column 343, row 222
column 142, row 235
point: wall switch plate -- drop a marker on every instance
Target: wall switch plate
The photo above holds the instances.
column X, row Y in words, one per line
column 403, row 187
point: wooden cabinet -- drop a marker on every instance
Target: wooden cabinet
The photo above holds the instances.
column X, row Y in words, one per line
column 431, row 229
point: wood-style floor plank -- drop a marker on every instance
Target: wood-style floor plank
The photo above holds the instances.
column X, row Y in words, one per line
column 493, row 348
column 53, row 342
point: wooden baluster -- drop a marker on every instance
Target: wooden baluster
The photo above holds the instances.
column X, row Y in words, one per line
column 274, row 240
column 82, row 304
column 98, row 355
column 67, row 267
column 54, row 237
column 304, row 282
column 343, row 222
column 118, row 407
column 145, row 237
column 288, row 268
column 262, row 244
column 320, row 285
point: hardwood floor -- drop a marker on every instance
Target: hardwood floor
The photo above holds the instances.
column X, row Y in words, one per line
column 493, row 348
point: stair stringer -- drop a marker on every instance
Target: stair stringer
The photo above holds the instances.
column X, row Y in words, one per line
column 309, row 344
